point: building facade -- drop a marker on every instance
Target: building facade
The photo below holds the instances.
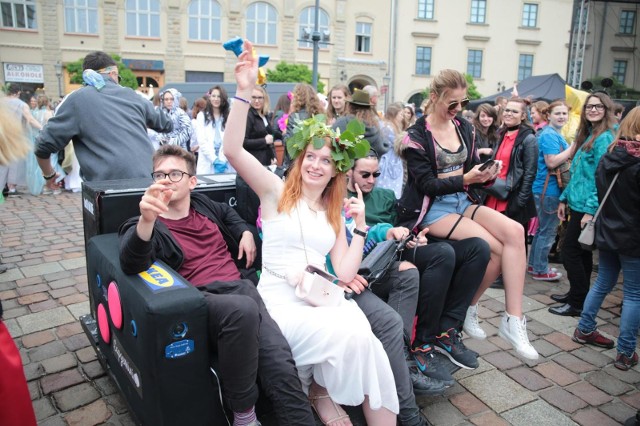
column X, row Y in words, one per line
column 613, row 42
column 164, row 41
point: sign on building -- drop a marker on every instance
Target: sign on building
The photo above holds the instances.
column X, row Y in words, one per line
column 23, row 73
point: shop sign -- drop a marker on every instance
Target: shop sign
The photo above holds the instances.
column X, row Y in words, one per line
column 23, row 73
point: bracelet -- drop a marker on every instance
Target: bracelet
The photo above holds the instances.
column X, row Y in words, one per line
column 363, row 234
column 49, row 177
column 242, row 100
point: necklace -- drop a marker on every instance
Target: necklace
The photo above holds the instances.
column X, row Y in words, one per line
column 312, row 205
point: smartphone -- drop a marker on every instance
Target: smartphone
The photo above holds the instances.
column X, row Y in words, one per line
column 486, row 165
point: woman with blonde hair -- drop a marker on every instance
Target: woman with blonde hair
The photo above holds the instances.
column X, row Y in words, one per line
column 258, row 139
column 338, row 96
column 339, row 360
column 443, row 171
column 391, row 165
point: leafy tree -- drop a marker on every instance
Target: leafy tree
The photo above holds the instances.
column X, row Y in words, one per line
column 128, row 77
column 472, row 90
column 293, row 73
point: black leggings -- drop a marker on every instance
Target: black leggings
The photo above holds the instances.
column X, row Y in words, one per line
column 450, row 274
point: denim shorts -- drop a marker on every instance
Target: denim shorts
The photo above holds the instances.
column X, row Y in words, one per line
column 444, row 205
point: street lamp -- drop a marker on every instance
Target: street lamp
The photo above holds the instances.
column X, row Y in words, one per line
column 385, row 80
column 58, row 67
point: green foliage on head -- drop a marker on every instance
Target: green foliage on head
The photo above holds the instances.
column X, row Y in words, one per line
column 346, row 147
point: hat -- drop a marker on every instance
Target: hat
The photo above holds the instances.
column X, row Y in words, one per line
column 360, row 97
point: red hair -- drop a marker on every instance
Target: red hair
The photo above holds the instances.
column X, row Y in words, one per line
column 332, row 196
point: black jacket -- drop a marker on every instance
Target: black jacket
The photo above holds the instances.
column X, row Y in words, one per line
column 523, row 167
column 137, row 255
column 254, row 138
column 618, row 225
column 422, row 179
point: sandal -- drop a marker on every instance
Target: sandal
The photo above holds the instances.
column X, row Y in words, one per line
column 336, row 407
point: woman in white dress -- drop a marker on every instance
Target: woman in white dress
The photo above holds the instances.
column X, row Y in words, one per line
column 209, row 129
column 339, row 360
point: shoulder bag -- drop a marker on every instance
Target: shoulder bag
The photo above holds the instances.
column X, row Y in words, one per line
column 562, row 172
column 588, row 234
column 377, row 261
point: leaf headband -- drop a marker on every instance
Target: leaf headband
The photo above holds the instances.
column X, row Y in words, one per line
column 346, row 147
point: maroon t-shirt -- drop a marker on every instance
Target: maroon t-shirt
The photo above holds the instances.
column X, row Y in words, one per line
column 206, row 255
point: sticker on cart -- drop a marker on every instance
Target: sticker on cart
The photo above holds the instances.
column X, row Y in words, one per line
column 179, row 349
column 159, row 278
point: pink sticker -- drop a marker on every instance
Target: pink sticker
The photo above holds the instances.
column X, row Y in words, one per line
column 115, row 305
column 103, row 324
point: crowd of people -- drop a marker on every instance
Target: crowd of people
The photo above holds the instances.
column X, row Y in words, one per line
column 479, row 196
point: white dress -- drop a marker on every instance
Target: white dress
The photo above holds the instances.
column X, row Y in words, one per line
column 333, row 345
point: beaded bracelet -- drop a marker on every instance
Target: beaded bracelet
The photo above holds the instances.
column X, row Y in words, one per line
column 241, row 99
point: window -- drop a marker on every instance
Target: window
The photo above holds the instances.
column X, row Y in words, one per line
column 423, row 60
column 620, row 71
column 262, row 20
column 204, row 20
column 627, row 21
column 81, row 16
column 525, row 66
column 363, row 37
column 530, row 15
column 143, row 18
column 425, row 9
column 478, row 11
column 308, row 21
column 19, row 14
column 474, row 63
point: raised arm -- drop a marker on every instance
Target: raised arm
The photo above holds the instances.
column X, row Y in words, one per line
column 266, row 184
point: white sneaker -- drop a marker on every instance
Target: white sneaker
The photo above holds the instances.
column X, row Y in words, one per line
column 471, row 325
column 514, row 330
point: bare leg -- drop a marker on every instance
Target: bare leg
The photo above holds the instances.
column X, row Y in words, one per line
column 379, row 417
column 326, row 408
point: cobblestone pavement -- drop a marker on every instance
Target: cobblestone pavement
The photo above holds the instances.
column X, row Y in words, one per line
column 45, row 291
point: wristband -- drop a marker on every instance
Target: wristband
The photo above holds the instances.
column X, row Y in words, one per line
column 49, row 177
column 242, row 100
column 363, row 234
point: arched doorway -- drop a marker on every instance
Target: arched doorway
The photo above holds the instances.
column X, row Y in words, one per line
column 359, row 81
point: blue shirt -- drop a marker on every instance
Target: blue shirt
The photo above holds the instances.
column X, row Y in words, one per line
column 550, row 142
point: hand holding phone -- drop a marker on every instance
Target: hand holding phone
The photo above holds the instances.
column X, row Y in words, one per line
column 486, row 165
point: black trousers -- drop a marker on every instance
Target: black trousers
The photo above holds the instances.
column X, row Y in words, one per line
column 577, row 262
column 450, row 274
column 276, row 369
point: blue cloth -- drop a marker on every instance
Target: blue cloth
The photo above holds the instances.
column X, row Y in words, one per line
column 550, row 142
column 609, row 267
column 446, row 204
column 546, row 234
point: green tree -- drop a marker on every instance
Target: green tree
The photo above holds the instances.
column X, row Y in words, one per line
column 472, row 90
column 292, row 73
column 128, row 77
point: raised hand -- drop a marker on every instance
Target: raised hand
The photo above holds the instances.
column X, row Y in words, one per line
column 246, row 70
column 155, row 200
column 354, row 207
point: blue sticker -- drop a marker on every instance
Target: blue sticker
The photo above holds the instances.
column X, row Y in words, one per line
column 179, row 349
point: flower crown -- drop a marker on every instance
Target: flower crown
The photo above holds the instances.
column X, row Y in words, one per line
column 346, row 147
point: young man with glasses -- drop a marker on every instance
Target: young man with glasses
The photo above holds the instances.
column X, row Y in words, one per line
column 107, row 123
column 211, row 247
column 449, row 273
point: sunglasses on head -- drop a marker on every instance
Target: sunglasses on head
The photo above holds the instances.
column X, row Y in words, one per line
column 453, row 105
column 366, row 175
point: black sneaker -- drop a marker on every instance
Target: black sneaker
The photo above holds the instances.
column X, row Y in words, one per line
column 431, row 365
column 425, row 385
column 450, row 345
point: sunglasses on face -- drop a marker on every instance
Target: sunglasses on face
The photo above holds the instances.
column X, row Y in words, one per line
column 453, row 105
column 366, row 175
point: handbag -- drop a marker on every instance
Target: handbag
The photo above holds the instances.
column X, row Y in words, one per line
column 588, row 234
column 375, row 265
column 562, row 172
column 498, row 189
column 317, row 287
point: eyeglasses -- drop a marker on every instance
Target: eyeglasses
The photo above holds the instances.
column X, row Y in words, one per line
column 174, row 175
column 453, row 105
column 257, row 98
column 511, row 111
column 366, row 175
column 597, row 107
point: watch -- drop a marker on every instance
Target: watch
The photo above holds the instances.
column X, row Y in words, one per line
column 49, row 177
column 363, row 234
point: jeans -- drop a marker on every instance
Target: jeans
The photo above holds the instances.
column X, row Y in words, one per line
column 577, row 262
column 608, row 270
column 387, row 327
column 400, row 291
column 450, row 274
column 546, row 234
column 277, row 371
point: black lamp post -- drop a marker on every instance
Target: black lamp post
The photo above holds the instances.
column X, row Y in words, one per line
column 58, row 67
